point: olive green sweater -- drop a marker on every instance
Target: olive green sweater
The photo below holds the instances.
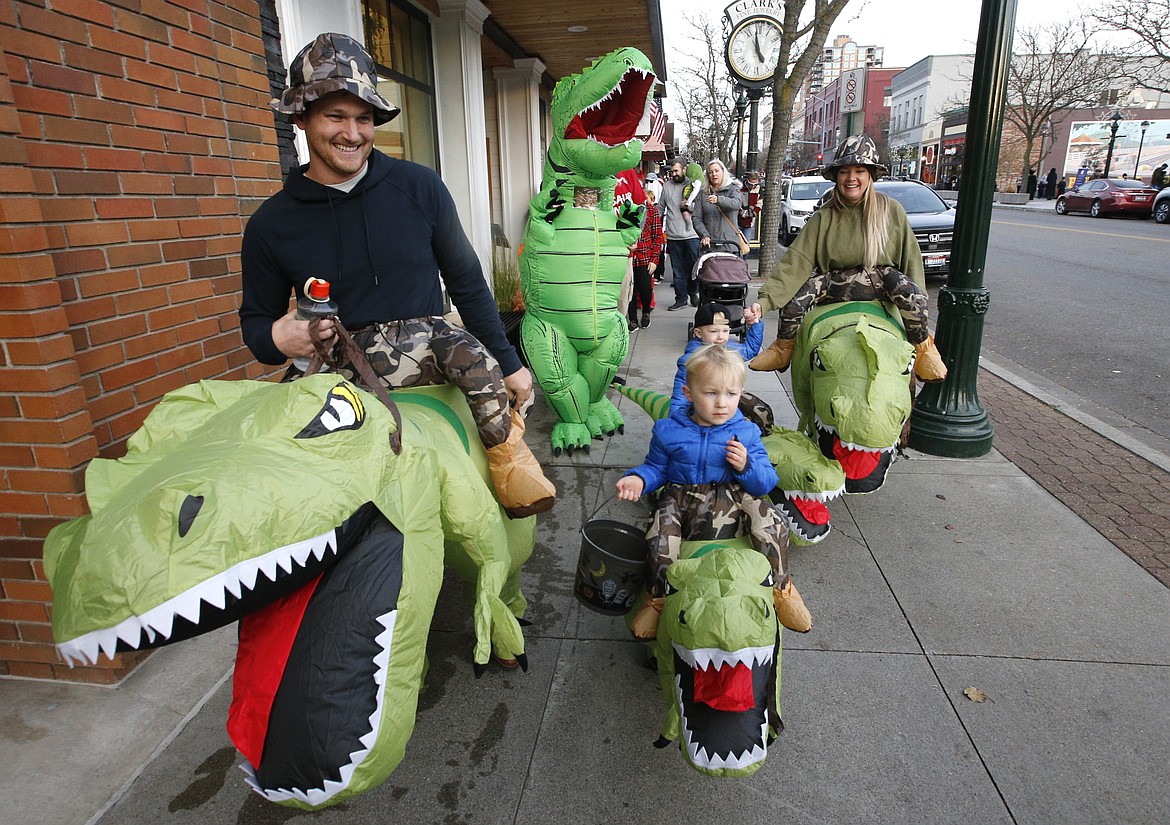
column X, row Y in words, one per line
column 831, row 239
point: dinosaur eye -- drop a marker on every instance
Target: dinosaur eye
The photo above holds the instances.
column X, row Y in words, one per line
column 669, row 589
column 909, row 366
column 815, row 362
column 682, row 617
column 187, row 512
column 768, row 581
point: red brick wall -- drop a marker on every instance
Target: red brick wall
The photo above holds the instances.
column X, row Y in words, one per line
column 134, row 140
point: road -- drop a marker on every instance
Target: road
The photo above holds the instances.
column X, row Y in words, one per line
column 1084, row 303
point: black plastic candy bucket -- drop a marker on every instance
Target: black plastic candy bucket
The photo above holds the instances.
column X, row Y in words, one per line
column 611, row 570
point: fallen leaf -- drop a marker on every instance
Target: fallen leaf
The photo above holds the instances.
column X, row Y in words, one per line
column 940, row 496
column 975, row 694
column 949, row 527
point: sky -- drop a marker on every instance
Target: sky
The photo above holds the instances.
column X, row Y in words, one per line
column 909, row 30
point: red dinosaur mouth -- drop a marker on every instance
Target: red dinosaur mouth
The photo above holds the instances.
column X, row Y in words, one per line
column 856, row 463
column 727, row 688
column 614, row 119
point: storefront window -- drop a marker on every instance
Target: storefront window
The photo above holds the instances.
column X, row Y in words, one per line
column 399, row 38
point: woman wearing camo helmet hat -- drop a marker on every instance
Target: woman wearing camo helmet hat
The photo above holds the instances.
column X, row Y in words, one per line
column 857, row 247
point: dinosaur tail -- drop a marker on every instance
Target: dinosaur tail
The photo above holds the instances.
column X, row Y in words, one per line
column 656, row 404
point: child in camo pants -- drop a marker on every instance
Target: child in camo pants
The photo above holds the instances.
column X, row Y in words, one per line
column 714, row 474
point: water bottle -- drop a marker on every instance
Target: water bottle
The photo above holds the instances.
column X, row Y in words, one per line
column 316, row 302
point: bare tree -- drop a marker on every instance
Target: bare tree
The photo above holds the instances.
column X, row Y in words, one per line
column 1053, row 68
column 1145, row 24
column 800, row 46
column 706, row 95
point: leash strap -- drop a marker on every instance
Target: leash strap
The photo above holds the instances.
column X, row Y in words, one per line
column 351, row 351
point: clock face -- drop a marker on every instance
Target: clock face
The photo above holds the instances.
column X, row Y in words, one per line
column 753, row 49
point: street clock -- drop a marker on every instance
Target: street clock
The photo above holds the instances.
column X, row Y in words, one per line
column 753, row 51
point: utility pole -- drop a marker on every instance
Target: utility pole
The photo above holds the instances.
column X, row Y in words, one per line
column 948, row 419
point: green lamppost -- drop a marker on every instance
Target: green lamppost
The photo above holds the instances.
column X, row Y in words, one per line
column 948, row 419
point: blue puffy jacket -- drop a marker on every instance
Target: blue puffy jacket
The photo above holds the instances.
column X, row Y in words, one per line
column 683, row 452
column 749, row 349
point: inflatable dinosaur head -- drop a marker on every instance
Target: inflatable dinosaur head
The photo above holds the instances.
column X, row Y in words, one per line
column 321, row 520
column 851, row 379
column 859, row 381
column 226, row 499
column 719, row 657
column 807, row 481
column 597, row 113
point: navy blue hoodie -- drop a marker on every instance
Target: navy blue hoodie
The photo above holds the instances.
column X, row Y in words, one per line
column 382, row 248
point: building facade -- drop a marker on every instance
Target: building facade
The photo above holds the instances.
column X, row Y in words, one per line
column 919, row 97
column 856, row 102
column 840, row 57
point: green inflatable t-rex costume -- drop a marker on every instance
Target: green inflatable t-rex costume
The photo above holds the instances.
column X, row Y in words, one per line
column 851, row 373
column 576, row 248
column 718, row 655
column 309, row 513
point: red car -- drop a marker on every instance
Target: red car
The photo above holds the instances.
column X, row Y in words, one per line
column 1108, row 197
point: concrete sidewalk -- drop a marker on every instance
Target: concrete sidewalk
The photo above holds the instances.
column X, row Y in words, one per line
column 958, row 573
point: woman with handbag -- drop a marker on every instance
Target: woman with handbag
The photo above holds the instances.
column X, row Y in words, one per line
column 717, row 211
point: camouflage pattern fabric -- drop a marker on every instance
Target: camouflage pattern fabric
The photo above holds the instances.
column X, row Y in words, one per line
column 423, row 352
column 884, row 283
column 713, row 512
column 333, row 63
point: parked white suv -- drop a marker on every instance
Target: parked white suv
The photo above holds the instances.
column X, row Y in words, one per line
column 798, row 198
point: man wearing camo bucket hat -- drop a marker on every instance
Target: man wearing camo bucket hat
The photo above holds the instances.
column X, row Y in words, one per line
column 857, row 247
column 381, row 231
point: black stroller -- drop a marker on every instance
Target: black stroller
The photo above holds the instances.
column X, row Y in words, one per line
column 723, row 278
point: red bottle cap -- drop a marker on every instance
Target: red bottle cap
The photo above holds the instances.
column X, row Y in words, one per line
column 317, row 289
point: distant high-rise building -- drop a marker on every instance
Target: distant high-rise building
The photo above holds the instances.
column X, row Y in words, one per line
column 842, row 56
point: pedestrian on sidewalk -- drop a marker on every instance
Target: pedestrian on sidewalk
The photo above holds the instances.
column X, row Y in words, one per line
column 646, row 259
column 716, row 216
column 1050, row 189
column 858, row 246
column 712, row 472
column 682, row 244
column 1158, row 179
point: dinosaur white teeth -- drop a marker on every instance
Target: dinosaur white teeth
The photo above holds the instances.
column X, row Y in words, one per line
column 267, row 565
column 704, row 657
column 822, row 496
column 159, row 620
column 162, row 623
column 130, row 632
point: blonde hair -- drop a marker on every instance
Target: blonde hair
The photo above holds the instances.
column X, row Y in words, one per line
column 716, row 363
column 710, row 189
column 875, row 220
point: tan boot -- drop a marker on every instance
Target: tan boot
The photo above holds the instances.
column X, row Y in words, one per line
column 777, row 356
column 520, row 484
column 790, row 609
column 645, row 623
column 928, row 363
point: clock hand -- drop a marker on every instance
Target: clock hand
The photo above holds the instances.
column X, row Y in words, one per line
column 756, row 41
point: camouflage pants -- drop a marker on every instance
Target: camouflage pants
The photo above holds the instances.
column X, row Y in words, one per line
column 422, row 352
column 885, row 283
column 688, row 512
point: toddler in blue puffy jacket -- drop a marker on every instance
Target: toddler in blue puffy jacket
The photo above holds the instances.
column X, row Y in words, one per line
column 713, row 475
